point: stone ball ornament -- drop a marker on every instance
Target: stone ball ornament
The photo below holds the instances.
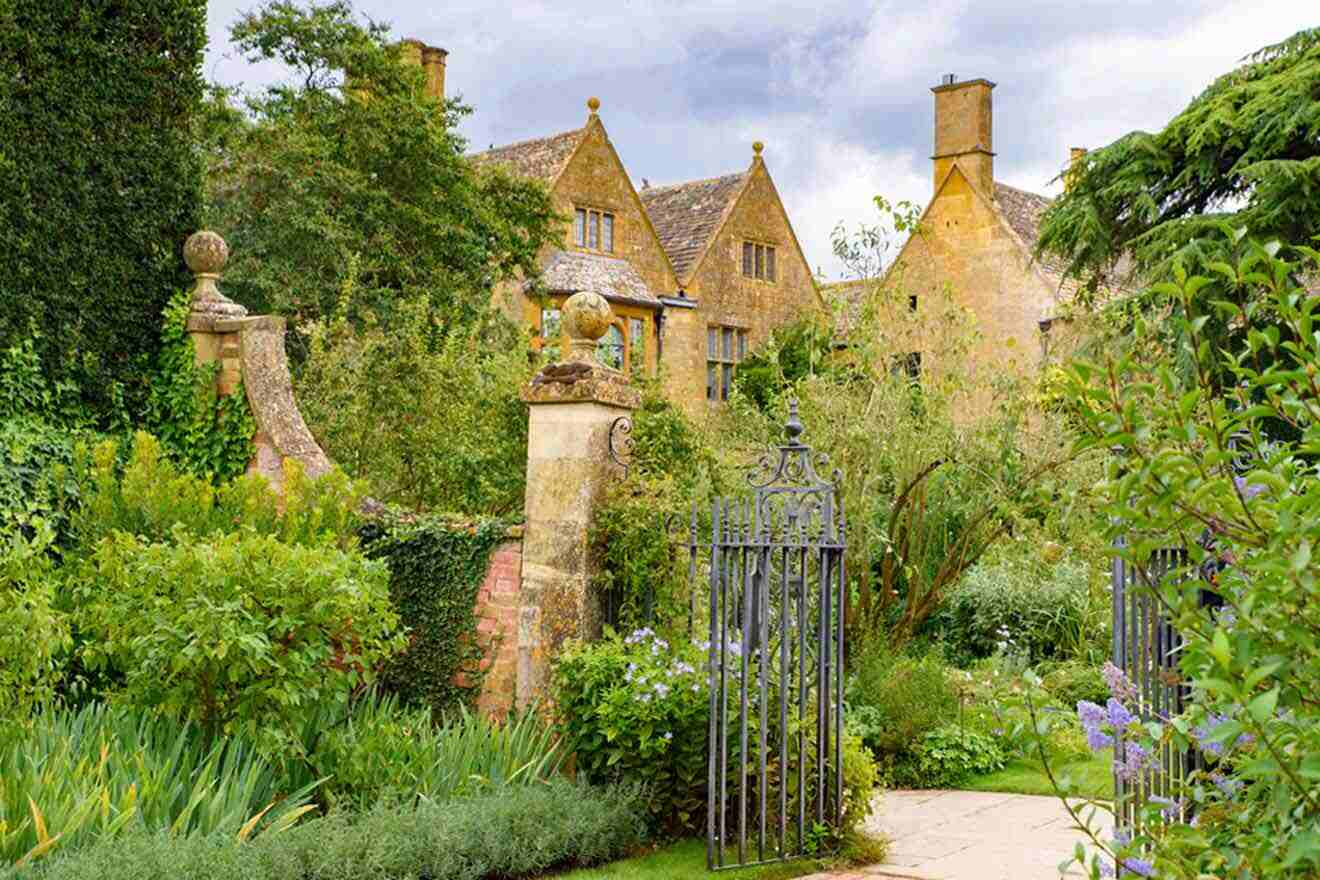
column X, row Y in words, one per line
column 586, row 315
column 205, row 252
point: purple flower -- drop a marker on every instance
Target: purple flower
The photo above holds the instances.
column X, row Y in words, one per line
column 669, row 735
column 1170, row 808
column 1134, row 761
column 1140, row 867
column 1092, row 718
column 1248, row 490
column 1106, row 870
column 1120, row 686
column 1228, row 785
column 661, row 689
column 1118, row 715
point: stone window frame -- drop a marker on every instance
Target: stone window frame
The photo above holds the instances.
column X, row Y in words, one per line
column 603, row 223
column 758, row 260
column 726, row 347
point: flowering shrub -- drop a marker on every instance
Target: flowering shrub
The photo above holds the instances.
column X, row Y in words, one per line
column 635, row 708
column 1228, row 474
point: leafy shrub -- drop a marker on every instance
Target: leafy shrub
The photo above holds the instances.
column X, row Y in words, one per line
column 152, row 498
column 237, row 631
column 521, row 832
column 32, row 632
column 90, row 238
column 792, row 352
column 436, row 568
column 1044, row 609
column 378, row 749
column 946, row 757
column 72, row 779
column 1071, row 682
column 636, row 709
column 430, row 423
column 899, row 698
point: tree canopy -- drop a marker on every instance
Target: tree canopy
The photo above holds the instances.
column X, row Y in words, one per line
column 1245, row 152
column 349, row 181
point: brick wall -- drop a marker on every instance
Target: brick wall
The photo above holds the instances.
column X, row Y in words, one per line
column 497, row 627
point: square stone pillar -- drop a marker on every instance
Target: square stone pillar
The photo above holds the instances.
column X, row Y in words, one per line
column 572, row 408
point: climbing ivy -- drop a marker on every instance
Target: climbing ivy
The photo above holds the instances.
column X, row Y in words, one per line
column 436, row 569
column 209, row 434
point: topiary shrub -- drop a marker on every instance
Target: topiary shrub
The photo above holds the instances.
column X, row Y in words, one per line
column 436, row 567
column 102, row 180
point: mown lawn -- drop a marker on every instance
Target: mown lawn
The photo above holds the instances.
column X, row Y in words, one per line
column 1091, row 776
column 685, row 861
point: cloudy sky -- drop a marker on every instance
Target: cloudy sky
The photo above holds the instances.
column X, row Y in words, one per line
column 837, row 89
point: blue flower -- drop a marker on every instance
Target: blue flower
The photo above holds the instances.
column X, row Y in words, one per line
column 1119, row 716
column 1092, row 718
column 1120, row 686
column 1140, row 867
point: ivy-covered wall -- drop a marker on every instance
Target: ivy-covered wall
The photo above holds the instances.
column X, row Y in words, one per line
column 437, row 570
column 100, row 177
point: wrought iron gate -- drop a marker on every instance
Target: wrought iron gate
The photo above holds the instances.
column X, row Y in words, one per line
column 1145, row 647
column 776, row 579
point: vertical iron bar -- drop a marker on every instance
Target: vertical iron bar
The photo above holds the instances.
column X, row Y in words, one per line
column 726, row 570
column 762, row 587
column 785, row 685
column 715, row 655
column 838, row 701
column 822, row 684
column 801, row 553
column 742, row 689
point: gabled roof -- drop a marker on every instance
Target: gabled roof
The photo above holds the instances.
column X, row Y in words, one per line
column 542, row 158
column 611, row 277
column 687, row 215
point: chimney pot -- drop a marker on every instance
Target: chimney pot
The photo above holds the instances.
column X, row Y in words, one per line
column 964, row 131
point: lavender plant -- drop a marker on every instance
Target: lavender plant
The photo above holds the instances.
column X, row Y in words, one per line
column 1229, row 474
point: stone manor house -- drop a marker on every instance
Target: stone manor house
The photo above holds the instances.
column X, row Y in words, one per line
column 697, row 273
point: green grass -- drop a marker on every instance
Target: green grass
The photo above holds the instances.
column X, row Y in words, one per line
column 685, row 861
column 1092, row 777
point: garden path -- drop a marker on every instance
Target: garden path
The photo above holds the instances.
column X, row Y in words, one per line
column 971, row 835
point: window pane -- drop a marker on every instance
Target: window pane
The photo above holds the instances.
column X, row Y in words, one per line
column 742, row 344
column 747, row 259
column 769, row 264
column 580, row 227
column 609, row 351
column 760, row 261
column 726, row 382
column 711, row 370
column 550, row 324
column 636, row 342
column 712, row 342
column 594, row 231
column 727, row 351
column 608, row 230
column 912, row 303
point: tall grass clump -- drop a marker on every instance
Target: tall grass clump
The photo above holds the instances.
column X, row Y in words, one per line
column 68, row 778
column 381, row 750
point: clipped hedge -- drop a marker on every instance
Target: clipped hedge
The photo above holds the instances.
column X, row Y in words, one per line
column 436, row 569
column 519, row 832
column 101, row 179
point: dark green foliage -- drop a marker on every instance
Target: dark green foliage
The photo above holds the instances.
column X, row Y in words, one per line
column 946, row 758
column 350, row 177
column 101, row 180
column 1246, row 150
column 899, row 698
column 792, row 353
column 208, row 434
column 519, row 832
column 436, row 567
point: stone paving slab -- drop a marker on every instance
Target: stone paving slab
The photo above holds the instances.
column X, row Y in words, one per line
column 970, row 835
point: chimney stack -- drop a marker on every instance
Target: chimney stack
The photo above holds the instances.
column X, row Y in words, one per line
column 431, row 59
column 964, row 131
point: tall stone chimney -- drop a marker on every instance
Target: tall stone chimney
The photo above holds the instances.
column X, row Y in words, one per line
column 431, row 59
column 964, row 131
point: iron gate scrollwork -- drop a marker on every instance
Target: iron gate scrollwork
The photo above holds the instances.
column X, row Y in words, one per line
column 776, row 580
